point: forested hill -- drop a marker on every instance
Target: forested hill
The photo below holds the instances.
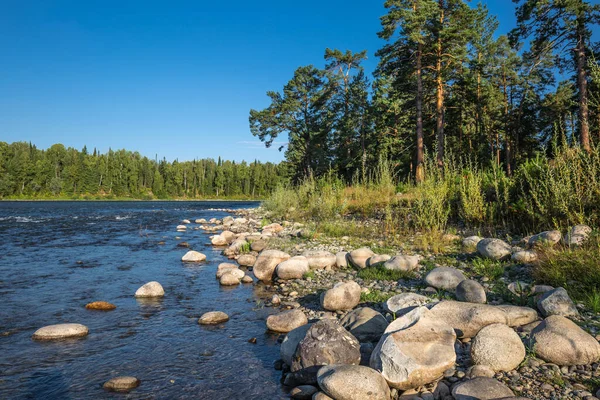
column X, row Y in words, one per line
column 27, row 172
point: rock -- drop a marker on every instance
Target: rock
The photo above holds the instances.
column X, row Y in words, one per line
column 224, row 267
column 246, row 260
column 201, row 221
column 326, row 343
column 480, row 370
column 266, row 262
column 468, row 318
column 377, row 259
column 183, row 244
column 100, row 305
column 319, row 259
column 557, row 302
column 150, row 289
column 358, row 258
column 524, row 257
column 213, row 318
column 303, row 392
column 470, row 291
column 495, row 249
column 229, row 278
column 321, row 396
column 481, row 388
column 294, row 268
column 560, row 341
column 548, row 238
column 290, row 343
column 415, row 350
column 60, row 331
column 181, row 228
column 353, row 382
column 228, row 220
column 341, row 259
column 402, row 263
column 519, row 288
column 193, row 256
column 286, row 321
column 470, row 243
column 343, row 296
column 366, row 324
column 228, row 236
column 247, row 279
column 446, row 278
column 578, row 235
column 258, row 245
column 404, row 302
column 219, row 240
column 272, row 228
column 498, row 347
column 122, row 384
column 235, row 248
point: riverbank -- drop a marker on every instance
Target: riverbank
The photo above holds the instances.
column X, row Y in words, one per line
column 468, row 283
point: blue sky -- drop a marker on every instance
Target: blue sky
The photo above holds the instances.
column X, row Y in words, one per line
column 174, row 78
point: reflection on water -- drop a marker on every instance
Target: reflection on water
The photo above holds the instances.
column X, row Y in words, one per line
column 57, row 257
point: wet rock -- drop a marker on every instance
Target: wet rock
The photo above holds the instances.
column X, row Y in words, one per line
column 481, row 388
column 60, row 331
column 343, row 296
column 193, row 256
column 303, row 392
column 341, row 259
column 446, row 278
column 201, row 221
column 326, row 342
column 495, row 249
column 181, row 228
column 402, row 263
column 358, row 258
column 225, row 267
column 468, row 318
column 377, row 259
column 183, row 244
column 290, row 343
column 498, row 347
column 294, row 268
column 404, row 302
column 100, row 305
column 150, row 289
column 286, row 321
column 366, row 324
column 557, row 302
column 219, row 240
column 266, row 263
column 229, row 278
column 247, row 279
column 246, row 260
column 213, row 318
column 548, row 238
column 560, row 341
column 122, row 384
column 470, row 291
column 415, row 350
column 524, row 257
column 353, row 382
column 470, row 243
column 319, row 259
column 578, row 235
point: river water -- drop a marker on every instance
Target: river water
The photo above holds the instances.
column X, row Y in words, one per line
column 55, row 257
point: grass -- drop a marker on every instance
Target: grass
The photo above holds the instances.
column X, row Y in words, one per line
column 380, row 273
column 375, row 296
column 245, row 248
column 487, row 267
column 309, row 274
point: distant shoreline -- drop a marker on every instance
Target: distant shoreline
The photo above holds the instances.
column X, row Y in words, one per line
column 131, row 200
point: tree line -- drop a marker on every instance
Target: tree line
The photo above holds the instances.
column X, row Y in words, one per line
column 446, row 84
column 28, row 172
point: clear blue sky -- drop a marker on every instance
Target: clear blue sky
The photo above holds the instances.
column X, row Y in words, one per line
column 173, row 78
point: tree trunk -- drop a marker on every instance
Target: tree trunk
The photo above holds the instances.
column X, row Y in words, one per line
column 419, row 173
column 506, row 126
column 584, row 134
column 439, row 105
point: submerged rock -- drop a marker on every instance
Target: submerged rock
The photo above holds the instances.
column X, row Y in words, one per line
column 213, row 318
column 100, row 305
column 122, row 383
column 60, row 331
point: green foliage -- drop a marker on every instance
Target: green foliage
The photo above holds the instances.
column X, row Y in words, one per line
column 380, row 273
column 309, row 274
column 487, row 267
column 245, row 248
column 374, row 296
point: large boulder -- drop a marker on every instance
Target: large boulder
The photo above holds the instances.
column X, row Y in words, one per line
column 415, row 350
column 499, row 347
column 343, row 296
column 446, row 278
column 193, row 256
column 246, row 260
column 60, row 331
column 548, row 238
column 481, row 389
column 286, row 321
column 341, row 259
column 468, row 318
column 150, row 289
column 404, row 302
column 560, row 341
column 353, row 382
column 290, row 343
column 326, row 343
column 358, row 258
column 266, row 262
column 470, row 291
column 557, row 302
column 294, row 268
column 319, row 259
column 495, row 249
column 402, row 263
column 366, row 324
column 578, row 235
